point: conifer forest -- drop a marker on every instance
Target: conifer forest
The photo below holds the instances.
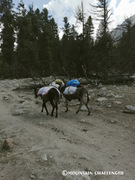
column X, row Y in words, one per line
column 30, row 44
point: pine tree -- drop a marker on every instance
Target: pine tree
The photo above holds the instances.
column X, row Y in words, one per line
column 66, row 29
column 85, row 40
column 7, row 34
column 81, row 16
column 55, row 50
column 23, row 39
column 88, row 44
column 45, row 44
column 28, row 30
column 89, row 30
column 66, row 56
column 104, row 40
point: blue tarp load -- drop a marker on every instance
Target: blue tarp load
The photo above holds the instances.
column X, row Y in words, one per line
column 73, row 82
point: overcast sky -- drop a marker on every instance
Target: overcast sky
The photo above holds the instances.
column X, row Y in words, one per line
column 60, row 8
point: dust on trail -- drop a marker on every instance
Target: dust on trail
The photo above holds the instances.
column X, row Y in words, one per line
column 44, row 146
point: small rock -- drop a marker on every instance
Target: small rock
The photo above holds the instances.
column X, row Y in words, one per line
column 91, row 91
column 42, row 123
column 6, row 97
column 100, row 85
column 109, row 105
column 104, row 89
column 83, row 108
column 130, row 108
column 91, row 95
column 118, row 102
column 7, row 85
column 21, row 101
column 113, row 121
column 110, row 95
column 83, row 157
column 101, row 99
column 102, row 93
column 118, row 96
column 44, row 157
column 32, row 176
column 16, row 85
column 8, row 144
column 18, row 112
column 83, row 120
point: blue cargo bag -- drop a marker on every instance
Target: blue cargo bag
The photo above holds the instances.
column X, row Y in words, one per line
column 73, row 82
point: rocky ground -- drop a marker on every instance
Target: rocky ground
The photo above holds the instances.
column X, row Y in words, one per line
column 44, row 146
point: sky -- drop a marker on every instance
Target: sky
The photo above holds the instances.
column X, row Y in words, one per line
column 121, row 10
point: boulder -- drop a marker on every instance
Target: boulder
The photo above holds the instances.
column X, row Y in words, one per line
column 130, row 108
column 8, row 144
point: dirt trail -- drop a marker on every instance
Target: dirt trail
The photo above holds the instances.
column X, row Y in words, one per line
column 44, row 146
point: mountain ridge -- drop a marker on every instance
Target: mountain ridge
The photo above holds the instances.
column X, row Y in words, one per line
column 117, row 32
